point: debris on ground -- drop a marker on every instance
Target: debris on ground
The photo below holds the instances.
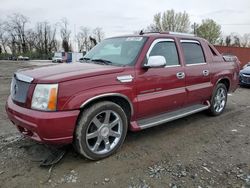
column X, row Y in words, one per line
column 71, row 177
column 54, row 157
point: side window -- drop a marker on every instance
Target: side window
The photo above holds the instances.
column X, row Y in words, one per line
column 168, row 50
column 193, row 52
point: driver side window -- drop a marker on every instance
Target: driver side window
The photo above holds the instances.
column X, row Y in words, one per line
column 168, row 50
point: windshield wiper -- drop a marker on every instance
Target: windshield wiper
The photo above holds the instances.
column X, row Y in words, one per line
column 86, row 58
column 102, row 61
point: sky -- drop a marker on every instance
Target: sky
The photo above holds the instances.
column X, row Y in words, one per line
column 118, row 17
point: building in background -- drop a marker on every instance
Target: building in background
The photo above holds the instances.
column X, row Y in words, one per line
column 243, row 54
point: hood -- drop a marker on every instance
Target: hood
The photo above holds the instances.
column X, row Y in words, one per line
column 65, row 72
column 246, row 70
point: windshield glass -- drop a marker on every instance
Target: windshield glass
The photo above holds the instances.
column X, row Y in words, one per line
column 118, row 51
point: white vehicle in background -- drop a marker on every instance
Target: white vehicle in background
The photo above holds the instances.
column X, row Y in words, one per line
column 57, row 59
column 21, row 58
column 68, row 57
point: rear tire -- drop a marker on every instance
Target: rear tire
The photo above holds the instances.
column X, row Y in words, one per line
column 101, row 130
column 218, row 100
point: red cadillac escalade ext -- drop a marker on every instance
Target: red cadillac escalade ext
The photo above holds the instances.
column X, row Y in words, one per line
column 129, row 82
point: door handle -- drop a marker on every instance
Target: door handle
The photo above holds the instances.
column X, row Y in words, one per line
column 180, row 75
column 205, row 72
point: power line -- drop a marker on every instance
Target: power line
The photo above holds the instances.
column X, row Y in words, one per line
column 235, row 24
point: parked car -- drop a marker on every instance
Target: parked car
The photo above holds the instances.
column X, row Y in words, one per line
column 245, row 76
column 13, row 58
column 57, row 59
column 128, row 82
column 21, row 58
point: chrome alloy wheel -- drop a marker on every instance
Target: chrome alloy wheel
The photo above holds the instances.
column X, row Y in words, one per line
column 220, row 100
column 104, row 132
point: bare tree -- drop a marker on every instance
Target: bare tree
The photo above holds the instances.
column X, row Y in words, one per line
column 45, row 38
column 31, row 40
column 98, row 34
column 3, row 37
column 170, row 21
column 65, row 35
column 16, row 26
column 87, row 38
column 236, row 41
column 245, row 40
column 228, row 40
column 83, row 39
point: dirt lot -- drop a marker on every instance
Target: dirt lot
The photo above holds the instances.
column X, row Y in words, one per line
column 196, row 151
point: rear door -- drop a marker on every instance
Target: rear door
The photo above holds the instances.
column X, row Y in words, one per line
column 197, row 70
column 161, row 89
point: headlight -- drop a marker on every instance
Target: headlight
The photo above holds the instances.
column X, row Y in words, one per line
column 45, row 97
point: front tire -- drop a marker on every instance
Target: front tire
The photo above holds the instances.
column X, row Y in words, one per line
column 219, row 100
column 101, row 130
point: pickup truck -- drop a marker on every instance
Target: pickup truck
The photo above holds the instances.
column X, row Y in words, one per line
column 124, row 83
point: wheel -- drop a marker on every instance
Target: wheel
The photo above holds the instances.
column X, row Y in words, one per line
column 101, row 130
column 219, row 100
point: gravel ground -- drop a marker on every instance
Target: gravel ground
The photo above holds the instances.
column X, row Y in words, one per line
column 196, row 151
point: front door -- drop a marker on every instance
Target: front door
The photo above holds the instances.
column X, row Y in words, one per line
column 161, row 89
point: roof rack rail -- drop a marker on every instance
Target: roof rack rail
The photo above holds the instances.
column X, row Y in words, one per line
column 167, row 32
column 179, row 33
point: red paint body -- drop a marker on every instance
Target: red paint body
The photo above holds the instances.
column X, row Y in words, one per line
column 152, row 91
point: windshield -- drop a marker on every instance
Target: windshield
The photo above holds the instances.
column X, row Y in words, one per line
column 117, row 51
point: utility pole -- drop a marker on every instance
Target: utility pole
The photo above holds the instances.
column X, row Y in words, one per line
column 75, row 41
column 194, row 27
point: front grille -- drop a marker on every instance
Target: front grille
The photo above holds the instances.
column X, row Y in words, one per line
column 19, row 90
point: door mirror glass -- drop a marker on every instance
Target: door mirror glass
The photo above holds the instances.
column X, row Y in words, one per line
column 156, row 62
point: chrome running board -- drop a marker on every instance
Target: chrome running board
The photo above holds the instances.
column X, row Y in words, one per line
column 170, row 116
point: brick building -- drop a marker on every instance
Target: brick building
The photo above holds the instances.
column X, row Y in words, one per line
column 243, row 54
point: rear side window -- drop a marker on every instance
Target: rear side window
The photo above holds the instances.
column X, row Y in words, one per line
column 168, row 50
column 193, row 52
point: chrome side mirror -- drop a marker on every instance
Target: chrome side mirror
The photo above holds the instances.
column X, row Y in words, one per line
column 156, row 62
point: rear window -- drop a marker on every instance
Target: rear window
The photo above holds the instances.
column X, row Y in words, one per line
column 193, row 52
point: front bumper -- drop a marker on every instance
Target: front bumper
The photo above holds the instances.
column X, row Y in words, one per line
column 46, row 127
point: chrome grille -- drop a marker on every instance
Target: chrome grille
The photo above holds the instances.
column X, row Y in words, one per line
column 19, row 90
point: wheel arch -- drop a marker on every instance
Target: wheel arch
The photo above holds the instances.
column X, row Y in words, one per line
column 225, row 81
column 118, row 98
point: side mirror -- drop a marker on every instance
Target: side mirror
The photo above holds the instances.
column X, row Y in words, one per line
column 156, row 62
